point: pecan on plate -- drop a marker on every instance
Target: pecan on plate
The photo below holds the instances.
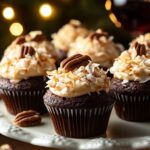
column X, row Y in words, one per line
column 26, row 50
column 75, row 61
column 27, row 118
column 140, row 49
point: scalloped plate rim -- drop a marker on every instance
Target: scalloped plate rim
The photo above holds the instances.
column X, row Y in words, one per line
column 97, row 142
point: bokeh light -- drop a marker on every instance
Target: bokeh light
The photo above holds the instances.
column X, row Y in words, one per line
column 8, row 13
column 46, row 10
column 114, row 20
column 108, row 5
column 16, row 29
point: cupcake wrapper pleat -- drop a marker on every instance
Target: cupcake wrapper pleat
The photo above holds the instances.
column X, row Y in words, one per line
column 17, row 101
column 133, row 107
column 80, row 123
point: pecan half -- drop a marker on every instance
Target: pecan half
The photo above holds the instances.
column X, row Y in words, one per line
column 96, row 35
column 6, row 147
column 75, row 61
column 39, row 38
column 20, row 40
column 26, row 50
column 140, row 49
column 27, row 118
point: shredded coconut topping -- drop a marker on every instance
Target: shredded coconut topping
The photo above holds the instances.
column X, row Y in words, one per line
column 130, row 66
column 15, row 68
column 67, row 34
column 100, row 48
column 80, row 81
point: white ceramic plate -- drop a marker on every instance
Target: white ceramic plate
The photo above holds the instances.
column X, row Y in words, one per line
column 120, row 134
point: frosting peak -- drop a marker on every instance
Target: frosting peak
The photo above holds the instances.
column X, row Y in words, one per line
column 28, row 56
column 142, row 39
column 79, row 81
column 134, row 64
column 99, row 46
column 67, row 34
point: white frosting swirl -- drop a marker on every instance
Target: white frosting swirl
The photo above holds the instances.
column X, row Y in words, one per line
column 80, row 81
column 67, row 34
column 15, row 68
column 101, row 49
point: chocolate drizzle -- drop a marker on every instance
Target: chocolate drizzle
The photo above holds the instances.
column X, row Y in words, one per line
column 75, row 61
column 140, row 49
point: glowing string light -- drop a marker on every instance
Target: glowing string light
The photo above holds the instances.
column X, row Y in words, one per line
column 46, row 10
column 16, row 29
column 108, row 5
column 8, row 13
column 114, row 20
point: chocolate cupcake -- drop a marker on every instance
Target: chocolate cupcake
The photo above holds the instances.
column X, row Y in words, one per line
column 99, row 46
column 131, row 83
column 77, row 99
column 22, row 71
column 67, row 35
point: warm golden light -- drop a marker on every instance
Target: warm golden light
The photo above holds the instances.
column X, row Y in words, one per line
column 8, row 13
column 108, row 5
column 16, row 29
column 46, row 10
column 114, row 20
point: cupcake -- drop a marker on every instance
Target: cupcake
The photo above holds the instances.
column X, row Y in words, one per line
column 67, row 35
column 99, row 46
column 131, row 83
column 22, row 72
column 77, row 99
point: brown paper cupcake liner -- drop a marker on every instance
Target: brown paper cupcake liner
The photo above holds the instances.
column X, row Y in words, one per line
column 80, row 123
column 17, row 101
column 133, row 107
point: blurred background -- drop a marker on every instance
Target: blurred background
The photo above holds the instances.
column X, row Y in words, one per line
column 21, row 16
